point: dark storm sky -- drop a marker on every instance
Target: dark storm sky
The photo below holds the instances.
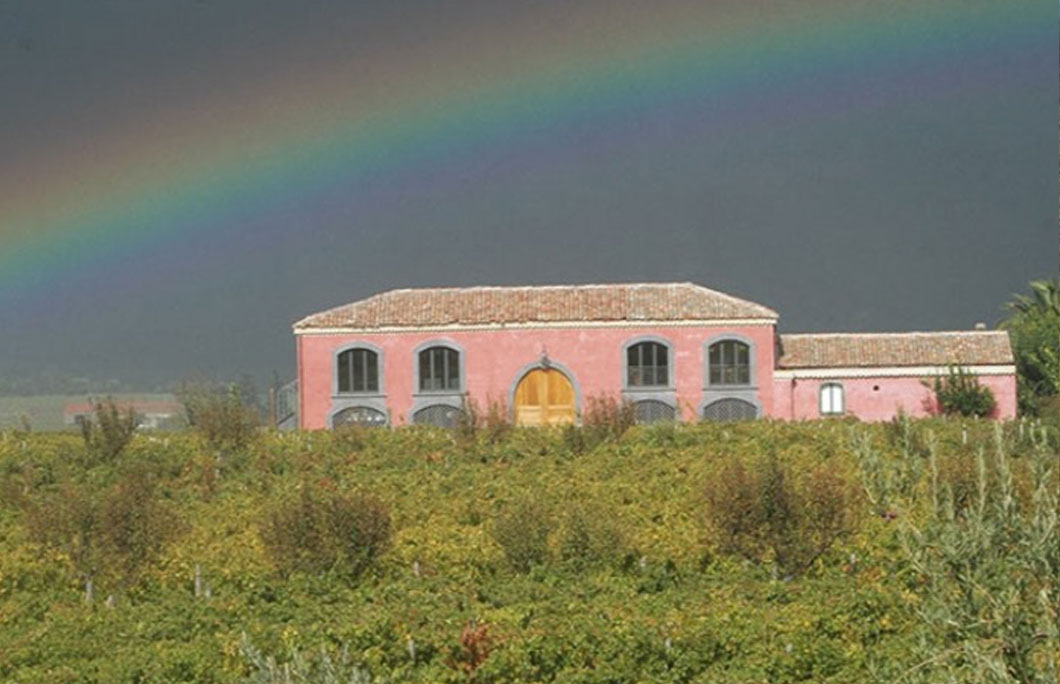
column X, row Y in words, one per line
column 916, row 192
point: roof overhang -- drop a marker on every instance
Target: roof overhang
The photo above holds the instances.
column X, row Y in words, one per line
column 542, row 325
column 888, row 371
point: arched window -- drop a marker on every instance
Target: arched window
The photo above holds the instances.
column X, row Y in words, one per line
column 439, row 369
column 730, row 363
column 730, row 409
column 653, row 411
column 358, row 370
column 647, row 365
column 831, row 399
column 439, row 415
column 359, row 415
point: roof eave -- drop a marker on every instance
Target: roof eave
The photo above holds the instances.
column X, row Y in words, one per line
column 306, row 327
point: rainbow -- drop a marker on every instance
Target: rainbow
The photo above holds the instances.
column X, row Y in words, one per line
column 206, row 171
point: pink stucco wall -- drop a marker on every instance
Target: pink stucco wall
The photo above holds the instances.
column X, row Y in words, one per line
column 495, row 360
column 880, row 398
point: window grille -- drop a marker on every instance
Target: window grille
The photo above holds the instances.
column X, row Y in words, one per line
column 359, row 415
column 730, row 409
column 653, row 411
column 439, row 415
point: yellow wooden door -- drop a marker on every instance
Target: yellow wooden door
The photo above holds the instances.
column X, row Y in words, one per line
column 544, row 397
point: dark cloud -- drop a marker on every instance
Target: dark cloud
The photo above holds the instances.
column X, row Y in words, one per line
column 896, row 206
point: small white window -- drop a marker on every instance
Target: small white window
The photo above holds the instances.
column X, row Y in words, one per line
column 831, row 399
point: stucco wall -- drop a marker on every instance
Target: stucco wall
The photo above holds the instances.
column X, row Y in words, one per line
column 879, row 398
column 495, row 359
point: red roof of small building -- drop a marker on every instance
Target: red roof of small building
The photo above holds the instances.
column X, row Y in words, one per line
column 144, row 406
column 536, row 304
column 857, row 350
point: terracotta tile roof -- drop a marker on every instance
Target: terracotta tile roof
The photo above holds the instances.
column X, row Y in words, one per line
column 145, row 406
column 856, row 350
column 537, row 304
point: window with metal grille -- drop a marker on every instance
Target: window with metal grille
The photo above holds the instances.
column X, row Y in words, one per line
column 439, row 369
column 730, row 409
column 438, row 415
column 653, row 411
column 647, row 365
column 831, row 399
column 359, row 415
column 358, row 371
column 730, row 363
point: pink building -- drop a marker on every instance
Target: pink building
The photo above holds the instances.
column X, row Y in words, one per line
column 676, row 350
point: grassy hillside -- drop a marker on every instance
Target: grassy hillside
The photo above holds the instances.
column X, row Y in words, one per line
column 640, row 581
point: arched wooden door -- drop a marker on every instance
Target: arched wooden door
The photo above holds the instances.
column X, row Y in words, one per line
column 544, row 396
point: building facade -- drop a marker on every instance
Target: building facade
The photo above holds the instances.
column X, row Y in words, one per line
column 677, row 351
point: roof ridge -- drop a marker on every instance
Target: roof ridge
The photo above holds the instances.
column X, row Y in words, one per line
column 565, row 286
column 634, row 301
column 733, row 298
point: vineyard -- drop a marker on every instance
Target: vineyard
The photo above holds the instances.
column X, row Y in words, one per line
column 829, row 551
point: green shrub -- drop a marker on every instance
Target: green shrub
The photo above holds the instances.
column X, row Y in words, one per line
column 959, row 393
column 109, row 536
column 493, row 423
column 220, row 415
column 1049, row 410
column 606, row 417
column 589, row 536
column 761, row 510
column 522, row 533
column 321, row 531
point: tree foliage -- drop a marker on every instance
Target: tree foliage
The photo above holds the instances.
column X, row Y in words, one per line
column 108, row 535
column 220, row 414
column 321, row 530
column 522, row 532
column 761, row 509
column 109, row 430
column 1034, row 326
column 958, row 393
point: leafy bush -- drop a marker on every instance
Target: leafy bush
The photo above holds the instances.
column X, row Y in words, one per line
column 109, row 537
column 607, row 417
column 320, row 531
column 475, row 647
column 220, row 415
column 522, row 533
column 959, row 393
column 493, row 422
column 588, row 536
column 760, row 510
column 109, row 430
